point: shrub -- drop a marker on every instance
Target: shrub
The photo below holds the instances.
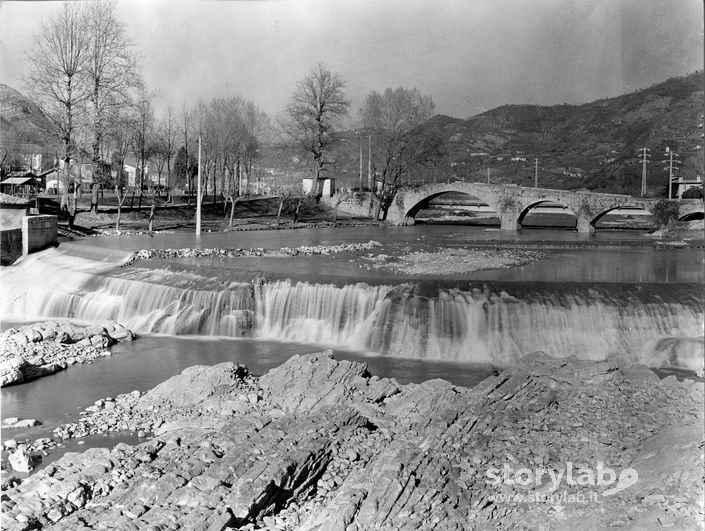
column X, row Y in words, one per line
column 665, row 212
column 696, row 192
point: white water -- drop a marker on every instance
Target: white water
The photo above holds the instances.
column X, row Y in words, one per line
column 474, row 325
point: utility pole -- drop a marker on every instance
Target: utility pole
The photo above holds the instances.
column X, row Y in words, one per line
column 671, row 161
column 536, row 173
column 488, row 176
column 644, row 158
column 369, row 163
column 198, row 192
column 361, row 163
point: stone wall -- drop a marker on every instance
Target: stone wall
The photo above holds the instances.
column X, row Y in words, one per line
column 38, row 232
column 357, row 204
column 10, row 246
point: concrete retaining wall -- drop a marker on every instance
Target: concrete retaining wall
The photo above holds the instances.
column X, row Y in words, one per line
column 11, row 216
column 10, row 246
column 38, row 232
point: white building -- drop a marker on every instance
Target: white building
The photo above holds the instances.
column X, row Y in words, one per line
column 328, row 186
column 682, row 185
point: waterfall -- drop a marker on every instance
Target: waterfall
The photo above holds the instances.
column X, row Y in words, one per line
column 477, row 324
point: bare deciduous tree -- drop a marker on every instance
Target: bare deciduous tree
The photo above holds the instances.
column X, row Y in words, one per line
column 186, row 120
column 394, row 119
column 166, row 137
column 121, row 133
column 143, row 145
column 316, row 108
column 111, row 71
column 230, row 130
column 57, row 64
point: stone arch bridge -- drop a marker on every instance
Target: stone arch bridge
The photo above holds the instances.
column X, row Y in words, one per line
column 513, row 202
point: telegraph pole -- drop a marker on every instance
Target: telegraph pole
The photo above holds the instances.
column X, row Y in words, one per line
column 536, row 173
column 369, row 163
column 361, row 163
column 644, row 158
column 670, row 154
column 198, row 192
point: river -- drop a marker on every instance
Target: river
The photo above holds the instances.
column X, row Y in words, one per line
column 590, row 296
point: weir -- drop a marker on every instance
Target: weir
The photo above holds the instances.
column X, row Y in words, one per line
column 470, row 324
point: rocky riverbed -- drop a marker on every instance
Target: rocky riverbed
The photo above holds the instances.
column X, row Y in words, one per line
column 306, row 250
column 35, row 350
column 321, row 444
column 447, row 261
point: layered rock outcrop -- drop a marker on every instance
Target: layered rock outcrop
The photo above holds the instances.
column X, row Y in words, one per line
column 321, row 444
column 35, row 350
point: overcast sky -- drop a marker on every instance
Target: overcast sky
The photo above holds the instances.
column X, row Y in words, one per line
column 469, row 55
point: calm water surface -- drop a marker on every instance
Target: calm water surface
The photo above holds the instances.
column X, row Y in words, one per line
column 148, row 361
column 638, row 265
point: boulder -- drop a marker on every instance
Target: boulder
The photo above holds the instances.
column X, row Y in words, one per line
column 198, row 383
column 20, row 461
column 311, row 382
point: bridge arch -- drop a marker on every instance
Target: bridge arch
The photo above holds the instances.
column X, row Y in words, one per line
column 423, row 203
column 528, row 208
column 692, row 216
column 510, row 202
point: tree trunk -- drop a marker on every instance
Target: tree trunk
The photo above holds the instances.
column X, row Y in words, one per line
column 152, row 211
column 279, row 212
column 168, row 180
column 120, row 201
column 94, row 198
column 232, row 209
column 378, row 208
column 73, row 202
column 298, row 209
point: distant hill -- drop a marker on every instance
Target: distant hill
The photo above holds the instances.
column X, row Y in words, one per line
column 24, row 128
column 593, row 146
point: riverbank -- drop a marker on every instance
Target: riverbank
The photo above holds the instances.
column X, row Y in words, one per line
column 40, row 349
column 319, row 443
column 261, row 213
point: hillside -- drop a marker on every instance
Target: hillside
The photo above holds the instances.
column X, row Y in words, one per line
column 24, row 128
column 593, row 146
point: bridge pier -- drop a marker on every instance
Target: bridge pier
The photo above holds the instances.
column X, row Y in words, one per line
column 584, row 225
column 508, row 221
